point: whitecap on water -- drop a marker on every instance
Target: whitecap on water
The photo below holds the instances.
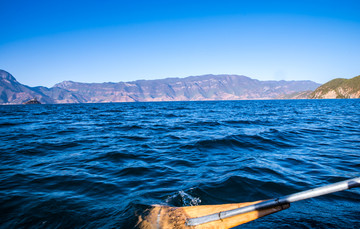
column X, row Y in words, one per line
column 183, row 199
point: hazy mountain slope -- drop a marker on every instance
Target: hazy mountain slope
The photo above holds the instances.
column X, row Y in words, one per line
column 13, row 92
column 206, row 87
column 338, row 88
column 297, row 95
column 59, row 95
column 193, row 88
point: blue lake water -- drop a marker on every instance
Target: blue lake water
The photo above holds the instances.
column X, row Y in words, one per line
column 100, row 165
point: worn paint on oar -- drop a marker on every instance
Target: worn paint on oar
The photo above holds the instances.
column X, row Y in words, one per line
column 177, row 217
column 231, row 215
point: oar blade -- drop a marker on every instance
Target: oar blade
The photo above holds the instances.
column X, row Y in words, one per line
column 173, row 217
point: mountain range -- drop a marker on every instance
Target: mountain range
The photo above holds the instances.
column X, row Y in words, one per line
column 193, row 88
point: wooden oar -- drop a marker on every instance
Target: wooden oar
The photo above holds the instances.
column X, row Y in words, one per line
column 230, row 215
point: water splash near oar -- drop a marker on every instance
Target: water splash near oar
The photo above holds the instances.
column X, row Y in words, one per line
column 231, row 215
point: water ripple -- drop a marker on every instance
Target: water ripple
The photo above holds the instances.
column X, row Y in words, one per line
column 101, row 165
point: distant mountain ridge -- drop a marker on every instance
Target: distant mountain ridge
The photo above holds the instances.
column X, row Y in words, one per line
column 338, row 89
column 192, row 88
column 13, row 92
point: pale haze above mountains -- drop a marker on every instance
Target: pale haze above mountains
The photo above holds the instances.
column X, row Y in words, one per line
column 192, row 88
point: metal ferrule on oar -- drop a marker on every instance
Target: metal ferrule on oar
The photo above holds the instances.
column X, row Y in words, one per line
column 231, row 215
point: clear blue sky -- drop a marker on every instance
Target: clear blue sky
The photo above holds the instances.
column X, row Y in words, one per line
column 46, row 42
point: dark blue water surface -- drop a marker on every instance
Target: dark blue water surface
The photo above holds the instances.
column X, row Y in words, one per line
column 100, row 165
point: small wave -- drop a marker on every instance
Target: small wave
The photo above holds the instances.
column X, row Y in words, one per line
column 250, row 142
column 183, row 199
column 181, row 163
column 178, row 128
column 11, row 124
column 242, row 188
column 137, row 138
column 67, row 131
column 129, row 127
column 114, row 111
column 8, row 124
column 43, row 113
column 206, row 123
column 31, row 152
column 58, row 145
column 171, row 116
column 237, row 122
column 135, row 171
column 115, row 156
column 76, row 184
column 172, row 137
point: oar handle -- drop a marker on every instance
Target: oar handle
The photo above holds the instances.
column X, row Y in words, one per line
column 336, row 187
column 327, row 189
